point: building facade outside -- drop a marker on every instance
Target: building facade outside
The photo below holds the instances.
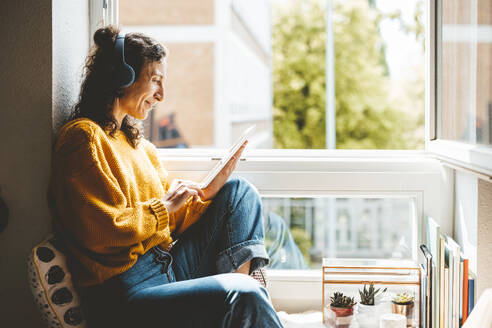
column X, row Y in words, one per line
column 219, row 70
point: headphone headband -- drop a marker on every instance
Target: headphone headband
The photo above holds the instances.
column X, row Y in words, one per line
column 124, row 75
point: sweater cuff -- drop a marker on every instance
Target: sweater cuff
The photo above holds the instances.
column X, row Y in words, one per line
column 160, row 212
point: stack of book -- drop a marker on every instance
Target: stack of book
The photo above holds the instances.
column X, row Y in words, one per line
column 448, row 286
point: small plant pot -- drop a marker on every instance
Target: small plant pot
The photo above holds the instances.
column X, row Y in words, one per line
column 405, row 309
column 368, row 315
column 339, row 317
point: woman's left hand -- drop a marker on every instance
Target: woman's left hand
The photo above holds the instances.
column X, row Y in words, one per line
column 221, row 178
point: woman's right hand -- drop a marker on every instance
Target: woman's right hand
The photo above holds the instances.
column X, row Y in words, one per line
column 179, row 192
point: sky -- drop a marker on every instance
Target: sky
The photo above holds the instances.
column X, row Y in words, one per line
column 399, row 61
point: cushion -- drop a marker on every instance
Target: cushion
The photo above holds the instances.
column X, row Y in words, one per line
column 52, row 286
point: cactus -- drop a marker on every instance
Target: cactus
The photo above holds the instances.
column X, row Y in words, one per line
column 367, row 295
column 403, row 298
column 341, row 301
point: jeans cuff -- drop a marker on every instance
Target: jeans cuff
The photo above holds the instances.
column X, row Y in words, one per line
column 232, row 258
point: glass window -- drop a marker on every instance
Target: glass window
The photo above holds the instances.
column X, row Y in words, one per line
column 300, row 232
column 465, row 99
column 237, row 63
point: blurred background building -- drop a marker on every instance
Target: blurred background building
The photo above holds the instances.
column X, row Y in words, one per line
column 219, row 70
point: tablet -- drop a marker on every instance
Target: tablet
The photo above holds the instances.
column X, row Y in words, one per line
column 220, row 165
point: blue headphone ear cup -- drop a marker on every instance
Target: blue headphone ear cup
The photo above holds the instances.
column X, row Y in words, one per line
column 124, row 76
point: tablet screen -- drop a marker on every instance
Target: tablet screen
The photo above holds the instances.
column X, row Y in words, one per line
column 220, row 165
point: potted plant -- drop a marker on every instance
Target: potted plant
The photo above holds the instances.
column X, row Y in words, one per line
column 403, row 303
column 368, row 311
column 341, row 310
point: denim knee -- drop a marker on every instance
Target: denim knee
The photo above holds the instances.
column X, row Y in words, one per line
column 240, row 188
column 249, row 305
column 246, row 291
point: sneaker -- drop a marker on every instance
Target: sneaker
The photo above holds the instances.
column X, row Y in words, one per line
column 260, row 276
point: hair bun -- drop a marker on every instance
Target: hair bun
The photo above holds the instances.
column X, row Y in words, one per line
column 105, row 36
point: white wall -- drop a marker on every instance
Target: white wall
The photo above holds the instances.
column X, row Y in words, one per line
column 43, row 41
column 465, row 227
column 473, row 226
column 70, row 47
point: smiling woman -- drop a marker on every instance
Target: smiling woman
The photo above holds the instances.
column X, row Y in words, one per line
column 144, row 250
column 103, row 100
column 139, row 98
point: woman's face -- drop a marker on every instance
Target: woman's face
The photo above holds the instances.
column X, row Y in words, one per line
column 147, row 90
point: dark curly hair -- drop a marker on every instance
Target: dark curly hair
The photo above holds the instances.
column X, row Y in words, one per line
column 98, row 92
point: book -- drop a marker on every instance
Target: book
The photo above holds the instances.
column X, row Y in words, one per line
column 433, row 242
column 427, row 281
column 443, row 288
column 465, row 289
column 223, row 162
column 454, row 283
column 424, row 309
column 445, row 304
column 460, row 305
column 471, row 294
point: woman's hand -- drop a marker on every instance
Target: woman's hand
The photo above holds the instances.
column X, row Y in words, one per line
column 179, row 192
column 221, row 178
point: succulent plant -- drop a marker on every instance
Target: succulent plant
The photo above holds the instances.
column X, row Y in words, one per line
column 341, row 301
column 403, row 298
column 367, row 295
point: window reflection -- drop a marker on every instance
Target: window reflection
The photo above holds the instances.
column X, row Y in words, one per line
column 465, row 101
column 299, row 232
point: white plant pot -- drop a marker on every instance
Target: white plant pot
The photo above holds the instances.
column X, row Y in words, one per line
column 368, row 315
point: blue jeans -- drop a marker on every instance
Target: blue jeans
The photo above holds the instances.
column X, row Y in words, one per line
column 192, row 285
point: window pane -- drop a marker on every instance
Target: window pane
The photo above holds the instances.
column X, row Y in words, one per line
column 310, row 74
column 465, row 108
column 299, row 232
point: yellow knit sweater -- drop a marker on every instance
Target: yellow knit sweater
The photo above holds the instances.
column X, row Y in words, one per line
column 105, row 198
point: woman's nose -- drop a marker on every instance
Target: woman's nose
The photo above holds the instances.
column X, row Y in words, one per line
column 159, row 95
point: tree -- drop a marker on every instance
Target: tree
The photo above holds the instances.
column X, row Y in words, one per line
column 366, row 116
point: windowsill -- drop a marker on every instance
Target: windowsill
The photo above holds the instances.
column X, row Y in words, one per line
column 278, row 160
column 297, row 291
column 476, row 159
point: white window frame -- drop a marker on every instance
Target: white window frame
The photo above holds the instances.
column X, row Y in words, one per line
column 474, row 159
column 101, row 13
column 341, row 173
column 344, row 173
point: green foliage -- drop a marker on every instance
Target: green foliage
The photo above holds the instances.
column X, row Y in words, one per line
column 303, row 241
column 299, row 76
column 341, row 301
column 367, row 295
column 367, row 117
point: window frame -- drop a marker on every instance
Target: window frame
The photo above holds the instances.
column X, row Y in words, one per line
column 274, row 166
column 346, row 173
column 101, row 13
column 475, row 159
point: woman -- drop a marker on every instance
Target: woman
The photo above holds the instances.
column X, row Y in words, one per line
column 119, row 217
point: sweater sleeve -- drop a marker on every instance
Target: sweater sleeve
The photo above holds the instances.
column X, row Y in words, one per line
column 90, row 203
column 190, row 212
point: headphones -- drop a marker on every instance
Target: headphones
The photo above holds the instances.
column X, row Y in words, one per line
column 123, row 74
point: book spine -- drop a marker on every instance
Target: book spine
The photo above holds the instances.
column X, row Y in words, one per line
column 460, row 294
column 465, row 290
column 442, row 274
column 456, row 288
column 471, row 293
column 446, row 299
